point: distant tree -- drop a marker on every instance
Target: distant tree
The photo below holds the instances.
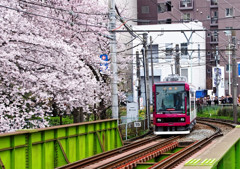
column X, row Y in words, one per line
column 49, row 54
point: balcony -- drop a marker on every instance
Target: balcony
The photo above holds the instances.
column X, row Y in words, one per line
column 214, row 39
column 214, row 21
column 214, row 4
column 186, row 4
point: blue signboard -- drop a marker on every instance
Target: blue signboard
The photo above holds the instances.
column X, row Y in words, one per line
column 238, row 69
column 105, row 58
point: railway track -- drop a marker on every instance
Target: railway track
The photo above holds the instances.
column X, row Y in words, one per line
column 188, row 151
column 131, row 155
column 99, row 157
column 183, row 154
column 221, row 121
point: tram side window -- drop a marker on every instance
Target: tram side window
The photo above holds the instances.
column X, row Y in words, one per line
column 192, row 101
column 188, row 105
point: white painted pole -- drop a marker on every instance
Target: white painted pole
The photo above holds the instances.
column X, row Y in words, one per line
column 113, row 57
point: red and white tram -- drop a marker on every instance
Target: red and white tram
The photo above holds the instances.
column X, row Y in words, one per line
column 174, row 106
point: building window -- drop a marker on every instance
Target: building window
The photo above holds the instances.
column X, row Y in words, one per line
column 229, row 12
column 208, row 53
column 169, row 50
column 168, row 21
column 161, row 7
column 214, row 36
column 145, row 9
column 184, row 49
column 214, row 2
column 208, row 35
column 227, row 68
column 215, row 14
column 169, row 6
column 186, row 17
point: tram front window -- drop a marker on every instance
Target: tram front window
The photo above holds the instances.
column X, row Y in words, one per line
column 169, row 98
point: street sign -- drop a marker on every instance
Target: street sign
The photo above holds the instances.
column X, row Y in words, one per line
column 132, row 112
column 137, row 124
column 238, row 69
column 104, row 66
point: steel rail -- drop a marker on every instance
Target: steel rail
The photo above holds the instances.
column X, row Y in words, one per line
column 222, row 121
column 176, row 158
column 138, row 154
column 104, row 155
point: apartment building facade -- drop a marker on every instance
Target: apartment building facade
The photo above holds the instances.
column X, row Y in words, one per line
column 214, row 14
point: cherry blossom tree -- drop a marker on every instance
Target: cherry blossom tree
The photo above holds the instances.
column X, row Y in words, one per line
column 49, row 53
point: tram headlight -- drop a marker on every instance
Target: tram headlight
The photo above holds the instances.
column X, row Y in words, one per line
column 159, row 120
column 182, row 119
column 159, row 113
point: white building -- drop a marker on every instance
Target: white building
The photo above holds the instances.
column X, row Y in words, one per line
column 192, row 47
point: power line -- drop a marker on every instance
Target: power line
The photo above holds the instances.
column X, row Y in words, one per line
column 177, row 30
column 176, row 17
column 130, row 48
column 179, row 21
column 126, row 26
column 47, row 17
column 61, row 9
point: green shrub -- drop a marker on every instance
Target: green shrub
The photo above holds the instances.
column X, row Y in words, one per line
column 142, row 113
column 54, row 121
column 226, row 111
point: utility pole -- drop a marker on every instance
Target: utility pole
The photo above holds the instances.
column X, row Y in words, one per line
column 152, row 67
column 217, row 74
column 113, row 57
column 229, row 68
column 146, row 78
column 199, row 57
column 234, row 77
column 138, row 77
column 177, row 61
column 229, row 65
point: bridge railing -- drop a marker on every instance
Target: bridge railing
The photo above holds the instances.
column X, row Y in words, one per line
column 56, row 146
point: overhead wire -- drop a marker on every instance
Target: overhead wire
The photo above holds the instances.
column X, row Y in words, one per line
column 126, row 26
column 57, row 8
column 176, row 17
column 48, row 17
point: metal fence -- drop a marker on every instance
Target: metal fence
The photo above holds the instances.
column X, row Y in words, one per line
column 133, row 129
column 214, row 109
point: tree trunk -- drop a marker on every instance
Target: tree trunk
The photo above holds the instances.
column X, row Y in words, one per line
column 95, row 113
column 55, row 110
column 78, row 115
column 60, row 116
column 81, row 114
column 103, row 111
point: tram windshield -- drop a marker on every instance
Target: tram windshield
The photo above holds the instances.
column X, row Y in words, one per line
column 170, row 98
